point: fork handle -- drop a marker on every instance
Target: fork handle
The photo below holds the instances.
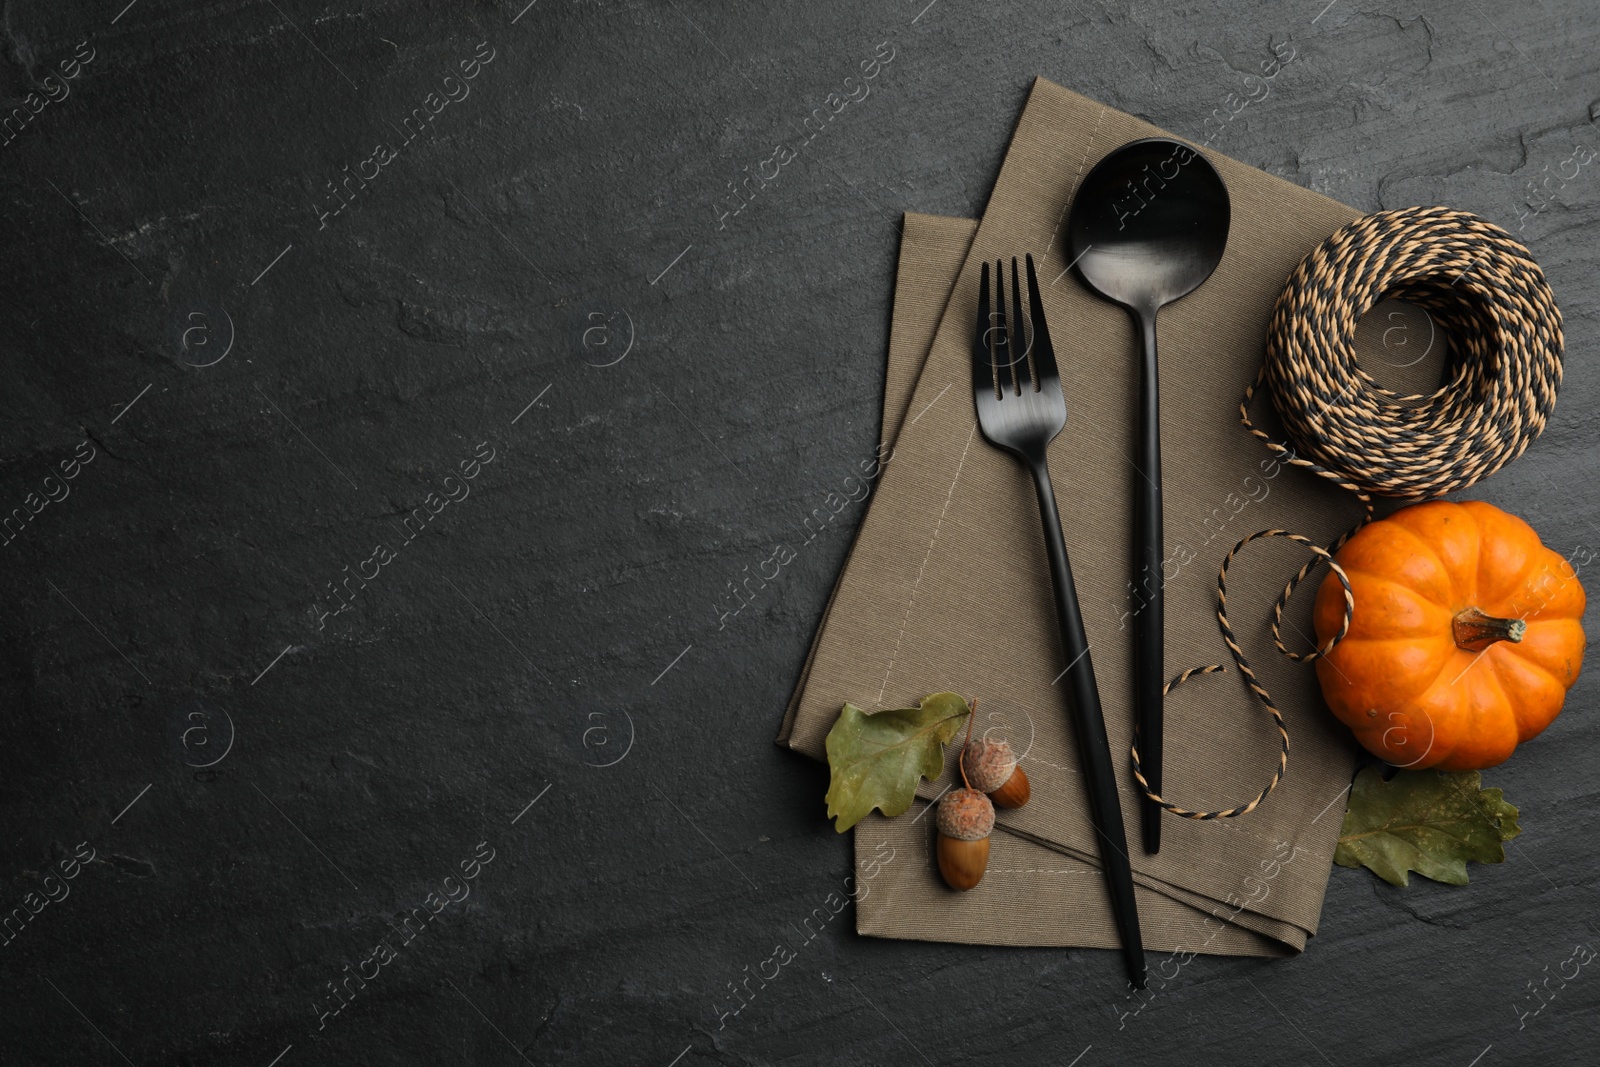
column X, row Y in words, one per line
column 1094, row 750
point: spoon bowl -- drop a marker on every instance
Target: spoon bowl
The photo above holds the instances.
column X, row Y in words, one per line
column 1148, row 226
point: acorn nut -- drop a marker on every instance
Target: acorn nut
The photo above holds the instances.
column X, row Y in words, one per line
column 965, row 820
column 991, row 768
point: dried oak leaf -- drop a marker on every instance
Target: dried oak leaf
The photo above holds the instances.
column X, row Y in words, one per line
column 877, row 757
column 1424, row 821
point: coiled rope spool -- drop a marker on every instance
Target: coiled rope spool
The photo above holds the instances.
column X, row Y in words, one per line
column 1500, row 322
column 1502, row 371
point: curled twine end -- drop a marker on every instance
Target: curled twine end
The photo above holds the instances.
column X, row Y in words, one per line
column 1320, row 555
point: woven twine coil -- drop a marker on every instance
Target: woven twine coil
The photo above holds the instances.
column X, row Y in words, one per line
column 1492, row 304
column 1502, row 370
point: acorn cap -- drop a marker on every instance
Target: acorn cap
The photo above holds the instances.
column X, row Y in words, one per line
column 988, row 763
column 966, row 815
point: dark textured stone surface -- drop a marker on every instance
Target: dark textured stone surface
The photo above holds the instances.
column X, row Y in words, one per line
column 525, row 634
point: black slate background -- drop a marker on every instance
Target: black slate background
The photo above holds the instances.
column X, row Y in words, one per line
column 564, row 615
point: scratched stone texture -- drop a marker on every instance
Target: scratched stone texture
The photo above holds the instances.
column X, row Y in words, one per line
column 391, row 391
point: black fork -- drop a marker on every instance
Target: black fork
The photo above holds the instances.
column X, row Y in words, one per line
column 1021, row 409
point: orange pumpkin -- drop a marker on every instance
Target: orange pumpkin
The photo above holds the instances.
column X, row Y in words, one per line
column 1466, row 635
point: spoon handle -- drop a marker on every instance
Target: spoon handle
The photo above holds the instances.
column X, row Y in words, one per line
column 1149, row 666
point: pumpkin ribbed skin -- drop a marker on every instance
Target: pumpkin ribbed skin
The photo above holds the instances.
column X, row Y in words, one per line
column 1422, row 689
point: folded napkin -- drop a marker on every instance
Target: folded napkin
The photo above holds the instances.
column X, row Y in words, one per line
column 947, row 586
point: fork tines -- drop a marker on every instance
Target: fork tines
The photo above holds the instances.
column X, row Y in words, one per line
column 1017, row 350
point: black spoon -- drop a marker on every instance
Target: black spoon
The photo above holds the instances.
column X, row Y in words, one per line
column 1148, row 226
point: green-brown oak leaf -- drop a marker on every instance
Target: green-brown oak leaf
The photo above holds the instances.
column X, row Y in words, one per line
column 877, row 757
column 1424, row 821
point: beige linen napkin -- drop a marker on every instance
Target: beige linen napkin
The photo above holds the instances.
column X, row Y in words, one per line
column 947, row 586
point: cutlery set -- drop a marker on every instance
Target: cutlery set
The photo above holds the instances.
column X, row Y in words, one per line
column 1148, row 226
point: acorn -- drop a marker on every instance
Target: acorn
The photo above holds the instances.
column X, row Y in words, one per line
column 965, row 820
column 991, row 768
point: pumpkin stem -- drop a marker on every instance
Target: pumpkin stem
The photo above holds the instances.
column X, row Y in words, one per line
column 1475, row 631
